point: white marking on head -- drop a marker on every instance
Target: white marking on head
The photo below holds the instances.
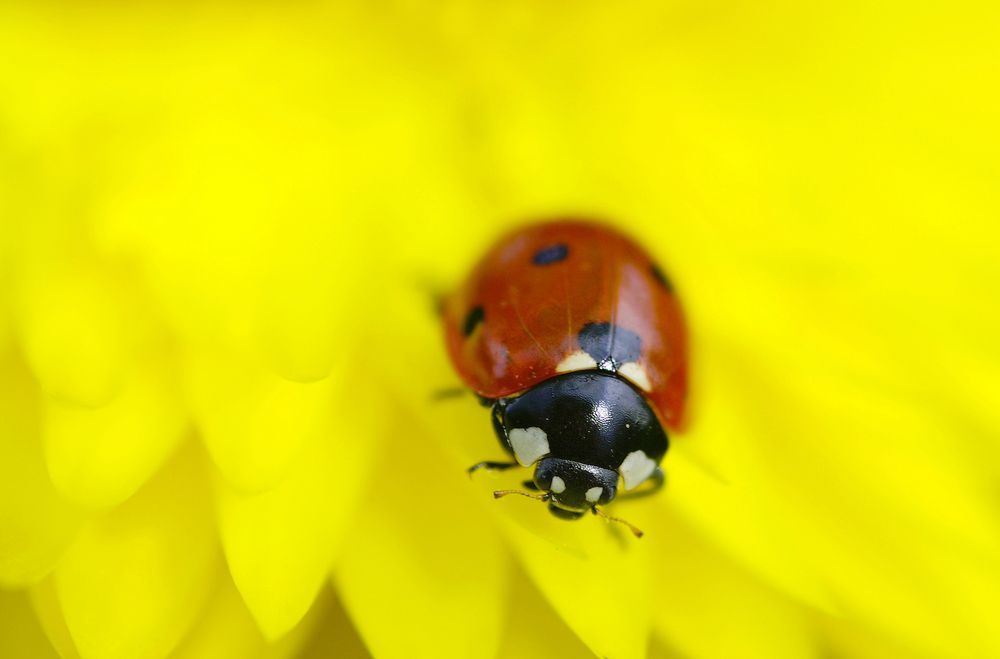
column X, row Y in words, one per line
column 558, row 485
column 577, row 361
column 593, row 495
column 636, row 374
column 529, row 444
column 635, row 468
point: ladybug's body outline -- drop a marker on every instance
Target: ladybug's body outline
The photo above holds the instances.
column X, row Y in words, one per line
column 576, row 339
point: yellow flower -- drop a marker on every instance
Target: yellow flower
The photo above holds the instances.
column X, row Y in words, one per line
column 217, row 352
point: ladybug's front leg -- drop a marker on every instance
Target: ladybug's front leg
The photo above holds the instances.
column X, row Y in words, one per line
column 501, row 432
column 492, row 466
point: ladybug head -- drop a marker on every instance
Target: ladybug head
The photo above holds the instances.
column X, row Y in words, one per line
column 573, row 487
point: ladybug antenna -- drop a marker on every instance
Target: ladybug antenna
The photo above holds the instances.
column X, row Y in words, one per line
column 531, row 495
column 600, row 513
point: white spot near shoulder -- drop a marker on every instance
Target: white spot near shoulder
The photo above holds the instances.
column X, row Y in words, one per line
column 577, row 361
column 636, row 374
column 635, row 468
column 529, row 444
column 558, row 485
column 593, row 495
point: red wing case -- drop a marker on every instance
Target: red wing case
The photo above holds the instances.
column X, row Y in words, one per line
column 569, row 296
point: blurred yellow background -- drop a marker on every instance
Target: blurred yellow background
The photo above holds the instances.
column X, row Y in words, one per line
column 220, row 224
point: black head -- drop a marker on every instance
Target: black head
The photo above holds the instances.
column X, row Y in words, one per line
column 579, row 428
column 574, row 487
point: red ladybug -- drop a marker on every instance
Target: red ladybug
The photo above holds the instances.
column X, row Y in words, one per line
column 575, row 338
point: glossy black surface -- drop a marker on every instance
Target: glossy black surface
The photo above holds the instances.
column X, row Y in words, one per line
column 591, row 417
column 592, row 420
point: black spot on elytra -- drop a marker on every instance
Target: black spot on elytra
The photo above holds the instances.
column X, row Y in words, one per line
column 551, row 254
column 661, row 277
column 472, row 320
column 610, row 345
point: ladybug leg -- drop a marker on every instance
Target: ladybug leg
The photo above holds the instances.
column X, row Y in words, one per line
column 492, row 466
column 448, row 393
column 652, row 485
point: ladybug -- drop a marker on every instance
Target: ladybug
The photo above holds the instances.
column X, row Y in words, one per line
column 575, row 339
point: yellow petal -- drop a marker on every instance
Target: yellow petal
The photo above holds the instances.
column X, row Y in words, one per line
column 423, row 574
column 272, row 202
column 831, row 498
column 75, row 332
column 226, row 629
column 253, row 422
column 280, row 544
column 335, row 636
column 135, row 580
column 307, row 313
column 596, row 576
column 99, row 457
column 534, row 630
column 300, row 638
column 847, row 638
column 5, row 315
column 414, row 367
column 45, row 602
column 36, row 524
column 735, row 515
column 706, row 605
column 20, row 633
